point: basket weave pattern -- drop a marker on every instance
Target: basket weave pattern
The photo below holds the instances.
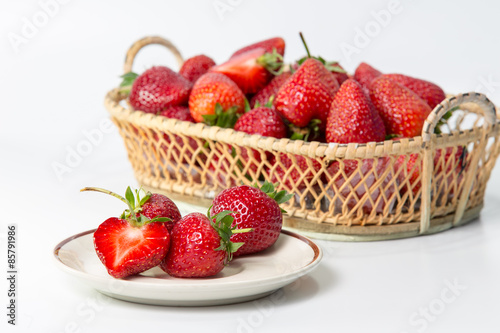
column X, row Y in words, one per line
column 409, row 181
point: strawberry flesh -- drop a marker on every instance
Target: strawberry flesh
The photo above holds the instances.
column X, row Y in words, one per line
column 126, row 250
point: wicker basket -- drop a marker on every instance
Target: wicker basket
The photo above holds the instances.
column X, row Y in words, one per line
column 372, row 191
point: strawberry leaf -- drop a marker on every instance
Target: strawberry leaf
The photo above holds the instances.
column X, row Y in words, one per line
column 270, row 102
column 273, row 62
column 443, row 120
column 247, row 106
column 221, row 118
column 128, row 81
column 280, row 197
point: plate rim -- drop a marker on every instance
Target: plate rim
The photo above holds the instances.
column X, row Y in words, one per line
column 293, row 275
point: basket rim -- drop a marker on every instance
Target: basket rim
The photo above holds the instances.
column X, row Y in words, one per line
column 313, row 149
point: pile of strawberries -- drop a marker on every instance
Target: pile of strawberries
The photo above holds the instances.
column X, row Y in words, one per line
column 151, row 232
column 311, row 99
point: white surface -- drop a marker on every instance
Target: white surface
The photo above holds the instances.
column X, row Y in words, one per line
column 52, row 93
column 244, row 279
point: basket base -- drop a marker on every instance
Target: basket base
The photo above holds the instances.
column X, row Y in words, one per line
column 332, row 232
column 375, row 233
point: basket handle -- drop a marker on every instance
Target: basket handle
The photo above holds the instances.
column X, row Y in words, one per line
column 489, row 113
column 137, row 46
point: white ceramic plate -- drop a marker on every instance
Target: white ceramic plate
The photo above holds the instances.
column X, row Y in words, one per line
column 245, row 278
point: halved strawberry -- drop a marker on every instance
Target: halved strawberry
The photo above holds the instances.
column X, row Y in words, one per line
column 134, row 242
column 127, row 249
column 253, row 67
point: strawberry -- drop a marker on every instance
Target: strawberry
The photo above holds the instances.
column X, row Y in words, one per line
column 174, row 151
column 127, row 249
column 402, row 111
column 220, row 172
column 350, row 181
column 195, row 67
column 253, row 208
column 251, row 70
column 365, row 74
column 158, row 88
column 307, row 94
column 428, row 91
column 212, row 89
column 339, row 73
column 333, row 66
column 263, row 96
column 180, row 112
column 269, row 45
column 294, row 177
column 353, row 117
column 199, row 246
column 161, row 205
column 451, row 167
column 134, row 242
column 264, row 121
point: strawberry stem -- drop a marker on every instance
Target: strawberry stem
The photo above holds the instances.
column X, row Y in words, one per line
column 134, row 203
column 305, row 44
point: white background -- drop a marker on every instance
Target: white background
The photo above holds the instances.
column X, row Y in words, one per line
column 52, row 86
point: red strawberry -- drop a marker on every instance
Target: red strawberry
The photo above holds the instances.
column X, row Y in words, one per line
column 446, row 170
column 175, row 151
column 294, row 175
column 360, row 177
column 195, row 67
column 365, row 74
column 263, row 96
column 160, row 205
column 339, row 73
column 158, row 88
column 212, row 89
column 126, row 249
column 134, row 243
column 199, row 247
column 353, row 117
column 428, row 91
column 180, row 112
column 251, row 70
column 402, row 111
column 409, row 175
column 269, row 45
column 307, row 94
column 264, row 121
column 253, row 208
column 220, row 171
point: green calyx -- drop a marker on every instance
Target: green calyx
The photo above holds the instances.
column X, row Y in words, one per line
column 128, row 81
column 331, row 66
column 444, row 120
column 221, row 118
column 305, row 133
column 271, row 190
column 273, row 62
column 222, row 222
column 269, row 103
column 134, row 202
